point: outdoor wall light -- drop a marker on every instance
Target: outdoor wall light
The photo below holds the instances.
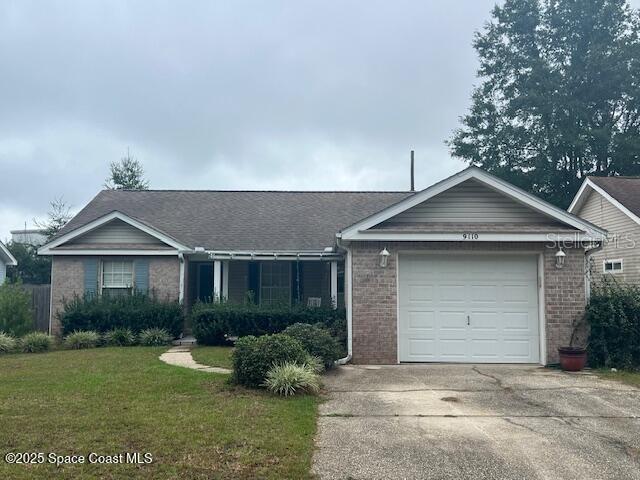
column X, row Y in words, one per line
column 384, row 257
column 560, row 258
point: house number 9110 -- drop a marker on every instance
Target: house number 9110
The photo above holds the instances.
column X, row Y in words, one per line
column 470, row 236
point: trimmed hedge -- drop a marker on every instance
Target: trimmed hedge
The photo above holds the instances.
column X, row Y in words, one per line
column 136, row 312
column 253, row 357
column 316, row 341
column 213, row 322
column 613, row 316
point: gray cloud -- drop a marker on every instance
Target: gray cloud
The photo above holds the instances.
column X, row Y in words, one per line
column 292, row 95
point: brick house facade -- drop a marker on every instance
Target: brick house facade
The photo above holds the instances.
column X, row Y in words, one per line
column 500, row 255
column 374, row 291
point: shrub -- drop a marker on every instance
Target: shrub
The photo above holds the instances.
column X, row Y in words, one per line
column 316, row 341
column 82, row 339
column 7, row 343
column 213, row 322
column 15, row 309
column 35, row 342
column 136, row 312
column 152, row 337
column 120, row 337
column 289, row 378
column 613, row 316
column 253, row 357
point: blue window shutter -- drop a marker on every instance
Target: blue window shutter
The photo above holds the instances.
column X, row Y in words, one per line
column 141, row 274
column 90, row 276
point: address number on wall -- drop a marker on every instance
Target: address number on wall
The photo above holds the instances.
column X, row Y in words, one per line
column 470, row 236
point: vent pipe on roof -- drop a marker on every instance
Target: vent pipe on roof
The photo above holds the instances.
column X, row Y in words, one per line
column 413, row 187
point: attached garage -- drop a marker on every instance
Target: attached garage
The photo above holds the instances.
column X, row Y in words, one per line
column 469, row 270
column 468, row 308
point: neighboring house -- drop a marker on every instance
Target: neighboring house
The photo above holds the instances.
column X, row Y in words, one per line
column 471, row 269
column 5, row 259
column 34, row 236
column 613, row 203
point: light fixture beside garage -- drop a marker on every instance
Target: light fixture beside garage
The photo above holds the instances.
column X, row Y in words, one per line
column 384, row 257
column 560, row 258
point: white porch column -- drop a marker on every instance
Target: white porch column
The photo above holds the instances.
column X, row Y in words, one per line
column 217, row 277
column 334, row 284
column 181, row 259
column 225, row 280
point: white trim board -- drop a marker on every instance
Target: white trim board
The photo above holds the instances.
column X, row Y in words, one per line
column 583, row 192
column 379, row 235
column 47, row 249
column 10, row 259
column 495, row 183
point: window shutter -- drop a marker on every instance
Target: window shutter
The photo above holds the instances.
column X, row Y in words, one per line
column 141, row 275
column 254, row 280
column 90, row 276
column 297, row 275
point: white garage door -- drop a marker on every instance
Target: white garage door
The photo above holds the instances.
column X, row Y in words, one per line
column 468, row 308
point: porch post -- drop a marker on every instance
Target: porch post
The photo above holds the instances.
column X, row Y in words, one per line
column 334, row 285
column 225, row 280
column 216, row 280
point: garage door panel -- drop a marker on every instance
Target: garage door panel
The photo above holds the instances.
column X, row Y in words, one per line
column 498, row 293
column 422, row 320
column 421, row 292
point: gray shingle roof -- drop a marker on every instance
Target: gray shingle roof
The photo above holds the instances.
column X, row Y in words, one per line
column 626, row 190
column 241, row 220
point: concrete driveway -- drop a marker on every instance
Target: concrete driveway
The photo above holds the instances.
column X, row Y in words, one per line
column 483, row 421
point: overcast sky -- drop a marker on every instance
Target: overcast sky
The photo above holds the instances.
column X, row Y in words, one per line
column 327, row 95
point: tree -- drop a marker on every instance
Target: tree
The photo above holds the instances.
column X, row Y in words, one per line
column 58, row 216
column 127, row 174
column 559, row 96
column 32, row 268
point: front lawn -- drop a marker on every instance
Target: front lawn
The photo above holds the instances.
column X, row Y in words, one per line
column 213, row 356
column 630, row 378
column 120, row 400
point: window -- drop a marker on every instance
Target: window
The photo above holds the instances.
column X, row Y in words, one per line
column 117, row 277
column 612, row 266
column 275, row 283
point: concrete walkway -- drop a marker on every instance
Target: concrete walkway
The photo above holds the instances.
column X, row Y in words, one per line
column 469, row 422
column 180, row 356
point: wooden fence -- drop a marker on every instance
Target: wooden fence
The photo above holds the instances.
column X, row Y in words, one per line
column 40, row 303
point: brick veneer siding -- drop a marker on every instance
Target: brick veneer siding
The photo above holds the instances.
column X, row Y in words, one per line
column 374, row 294
column 164, row 278
column 67, row 280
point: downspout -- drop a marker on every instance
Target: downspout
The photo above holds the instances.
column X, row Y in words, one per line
column 587, row 283
column 348, row 278
column 181, row 294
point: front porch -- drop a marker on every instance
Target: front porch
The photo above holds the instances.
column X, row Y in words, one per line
column 270, row 280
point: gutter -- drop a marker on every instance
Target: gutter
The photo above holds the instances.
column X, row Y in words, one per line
column 587, row 255
column 348, row 296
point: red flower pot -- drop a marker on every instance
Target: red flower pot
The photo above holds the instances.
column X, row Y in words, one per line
column 572, row 359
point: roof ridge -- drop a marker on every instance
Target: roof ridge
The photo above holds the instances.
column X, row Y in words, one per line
column 258, row 191
column 627, row 177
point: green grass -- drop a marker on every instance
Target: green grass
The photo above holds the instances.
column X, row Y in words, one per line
column 113, row 400
column 630, row 378
column 213, row 356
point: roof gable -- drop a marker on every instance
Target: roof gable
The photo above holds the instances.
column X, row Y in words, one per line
column 113, row 228
column 470, row 201
column 622, row 192
column 6, row 255
column 539, row 209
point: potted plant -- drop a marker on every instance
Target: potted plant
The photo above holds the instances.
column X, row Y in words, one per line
column 573, row 358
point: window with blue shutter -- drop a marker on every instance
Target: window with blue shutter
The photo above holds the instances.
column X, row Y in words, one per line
column 90, row 276
column 141, row 280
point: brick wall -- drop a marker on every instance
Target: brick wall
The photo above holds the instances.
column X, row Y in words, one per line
column 164, row 277
column 375, row 294
column 67, row 280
